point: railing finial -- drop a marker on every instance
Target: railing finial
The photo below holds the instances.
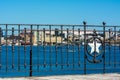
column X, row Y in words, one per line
column 84, row 22
column 104, row 23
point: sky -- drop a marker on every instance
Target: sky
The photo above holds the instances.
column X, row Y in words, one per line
column 60, row 12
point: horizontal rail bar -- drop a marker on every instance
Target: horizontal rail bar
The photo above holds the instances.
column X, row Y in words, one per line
column 59, row 25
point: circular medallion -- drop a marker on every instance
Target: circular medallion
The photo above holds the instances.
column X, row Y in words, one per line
column 94, row 46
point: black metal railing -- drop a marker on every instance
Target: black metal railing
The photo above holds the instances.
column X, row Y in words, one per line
column 46, row 49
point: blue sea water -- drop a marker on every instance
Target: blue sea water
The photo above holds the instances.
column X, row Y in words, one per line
column 56, row 60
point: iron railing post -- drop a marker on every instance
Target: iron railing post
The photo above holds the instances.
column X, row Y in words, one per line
column 12, row 48
column 0, row 48
column 115, row 47
column 44, row 50
column 109, row 48
column 38, row 51
column 73, row 43
column 31, row 52
column 25, row 47
column 50, row 57
column 19, row 47
column 62, row 49
column 104, row 55
column 84, row 47
column 67, row 48
column 56, row 51
column 78, row 47
column 6, row 34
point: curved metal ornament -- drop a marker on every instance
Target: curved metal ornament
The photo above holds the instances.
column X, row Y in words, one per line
column 94, row 49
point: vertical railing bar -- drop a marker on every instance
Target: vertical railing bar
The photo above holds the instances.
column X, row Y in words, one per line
column 31, row 35
column 115, row 48
column 50, row 49
column 44, row 48
column 119, row 46
column 38, row 52
column 56, row 48
column 79, row 48
column 19, row 47
column 119, row 41
column 84, row 47
column 0, row 48
column 61, row 48
column 104, row 54
column 12, row 48
column 119, row 49
column 67, row 48
column 73, row 47
column 109, row 48
column 94, row 44
column 6, row 49
column 25, row 48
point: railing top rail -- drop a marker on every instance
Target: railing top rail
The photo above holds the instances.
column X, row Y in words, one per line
column 60, row 25
column 44, row 24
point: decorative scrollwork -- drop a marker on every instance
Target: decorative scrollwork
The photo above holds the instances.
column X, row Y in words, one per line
column 94, row 48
